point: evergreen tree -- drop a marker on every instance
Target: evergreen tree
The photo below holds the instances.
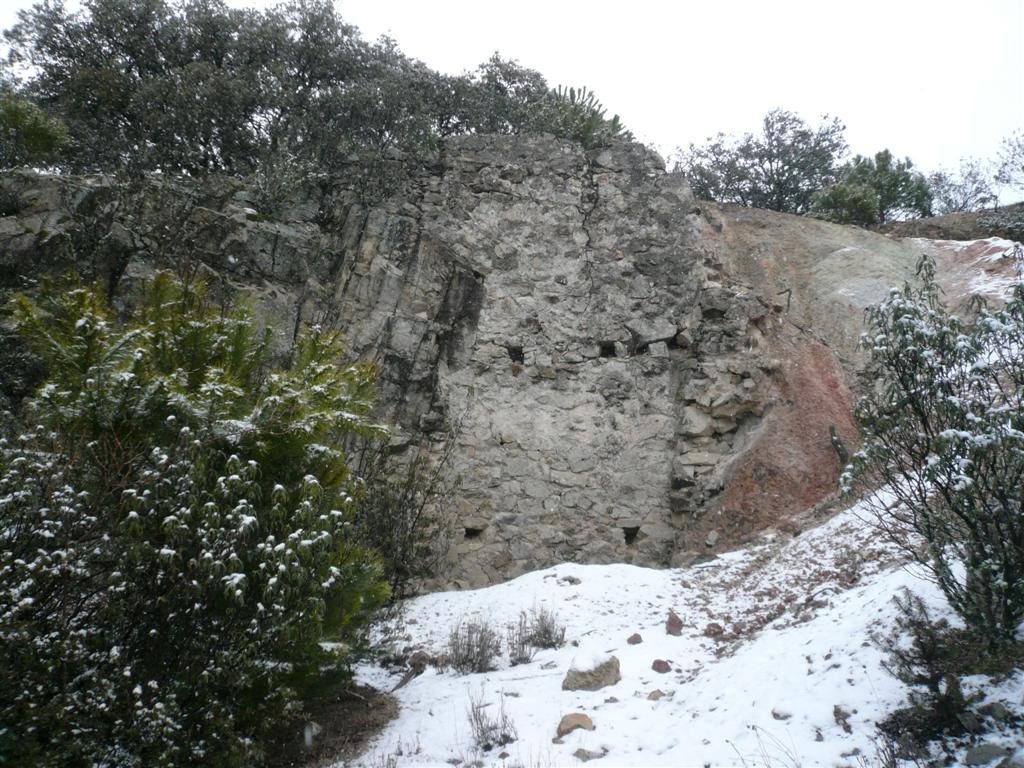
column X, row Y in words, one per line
column 944, row 445
column 898, row 190
column 193, row 86
column 28, row 136
column 176, row 533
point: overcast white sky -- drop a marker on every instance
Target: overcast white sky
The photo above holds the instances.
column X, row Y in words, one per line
column 935, row 80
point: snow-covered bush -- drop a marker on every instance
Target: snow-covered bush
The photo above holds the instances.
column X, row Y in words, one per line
column 174, row 533
column 944, row 439
column 929, row 657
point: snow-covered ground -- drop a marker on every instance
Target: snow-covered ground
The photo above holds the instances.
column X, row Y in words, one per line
column 988, row 268
column 774, row 665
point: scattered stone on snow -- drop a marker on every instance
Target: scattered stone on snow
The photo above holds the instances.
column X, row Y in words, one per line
column 674, row 625
column 661, row 666
column 634, row 639
column 583, row 755
column 655, row 695
column 573, row 721
column 778, row 714
column 599, row 676
column 714, row 629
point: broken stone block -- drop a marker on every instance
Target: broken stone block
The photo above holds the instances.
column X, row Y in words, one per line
column 647, row 331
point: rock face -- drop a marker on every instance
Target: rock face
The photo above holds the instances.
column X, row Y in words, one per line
column 627, row 375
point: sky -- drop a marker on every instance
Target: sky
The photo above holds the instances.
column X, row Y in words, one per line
column 935, row 80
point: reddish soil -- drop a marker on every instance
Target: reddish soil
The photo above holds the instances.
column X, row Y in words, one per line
column 791, row 464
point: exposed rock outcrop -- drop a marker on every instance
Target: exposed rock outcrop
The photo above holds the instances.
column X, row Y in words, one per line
column 628, row 374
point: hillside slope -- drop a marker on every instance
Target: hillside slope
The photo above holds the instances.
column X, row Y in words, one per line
column 774, row 664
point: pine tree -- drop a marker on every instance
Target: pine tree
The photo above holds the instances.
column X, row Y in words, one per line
column 175, row 525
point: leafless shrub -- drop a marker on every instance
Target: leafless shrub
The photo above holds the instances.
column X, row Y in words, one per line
column 521, row 649
column 489, row 732
column 544, row 629
column 473, row 647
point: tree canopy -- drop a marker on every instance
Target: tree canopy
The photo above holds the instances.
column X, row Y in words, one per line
column 780, row 168
column 874, row 190
column 967, row 189
column 196, row 86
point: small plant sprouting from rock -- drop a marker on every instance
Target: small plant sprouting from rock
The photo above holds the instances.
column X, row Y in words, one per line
column 473, row 647
column 490, row 732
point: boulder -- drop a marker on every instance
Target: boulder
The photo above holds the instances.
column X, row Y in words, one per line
column 673, row 624
column 592, row 674
column 572, row 722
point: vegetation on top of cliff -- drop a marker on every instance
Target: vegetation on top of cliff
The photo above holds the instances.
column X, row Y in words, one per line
column 874, row 190
column 176, row 520
column 793, row 167
column 28, row 136
column 197, row 87
column 780, row 168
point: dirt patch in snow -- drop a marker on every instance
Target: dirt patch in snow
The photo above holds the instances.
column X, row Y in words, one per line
column 348, row 718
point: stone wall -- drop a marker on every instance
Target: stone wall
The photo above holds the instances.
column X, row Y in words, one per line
column 628, row 375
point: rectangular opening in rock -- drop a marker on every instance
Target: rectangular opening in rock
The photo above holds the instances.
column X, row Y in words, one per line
column 630, row 532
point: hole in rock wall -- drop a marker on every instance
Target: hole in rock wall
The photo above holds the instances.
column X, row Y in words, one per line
column 630, row 533
column 474, row 533
column 607, row 349
column 515, row 354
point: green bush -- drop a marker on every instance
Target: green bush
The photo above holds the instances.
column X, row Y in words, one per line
column 27, row 134
column 175, row 526
column 874, row 190
column 846, row 203
column 944, row 441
